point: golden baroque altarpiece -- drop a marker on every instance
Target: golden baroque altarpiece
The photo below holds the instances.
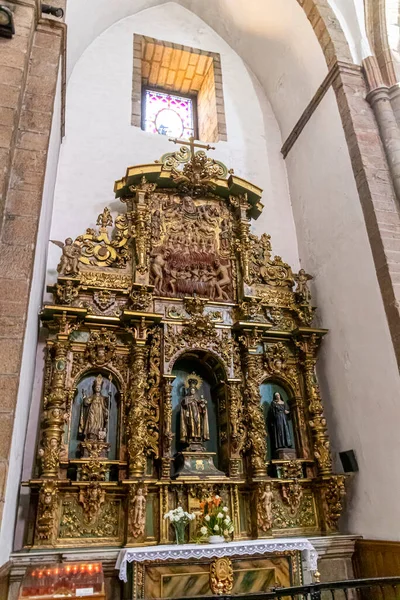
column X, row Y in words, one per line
column 167, row 323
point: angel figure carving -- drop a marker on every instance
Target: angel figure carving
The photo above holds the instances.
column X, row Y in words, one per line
column 302, row 279
column 69, row 263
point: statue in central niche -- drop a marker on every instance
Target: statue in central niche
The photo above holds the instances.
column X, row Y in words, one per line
column 194, row 429
column 93, row 420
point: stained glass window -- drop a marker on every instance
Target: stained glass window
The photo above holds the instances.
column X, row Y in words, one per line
column 168, row 114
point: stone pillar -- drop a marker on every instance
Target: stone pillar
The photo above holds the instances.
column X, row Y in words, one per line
column 29, row 65
column 379, row 99
column 394, row 94
column 374, row 185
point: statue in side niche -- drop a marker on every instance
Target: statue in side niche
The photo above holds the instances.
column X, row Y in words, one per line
column 278, row 424
column 93, row 420
column 69, row 263
column 194, row 428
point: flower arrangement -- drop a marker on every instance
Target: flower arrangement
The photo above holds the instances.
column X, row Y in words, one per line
column 215, row 520
column 179, row 519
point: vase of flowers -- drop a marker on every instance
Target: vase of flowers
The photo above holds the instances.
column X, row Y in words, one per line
column 215, row 523
column 179, row 519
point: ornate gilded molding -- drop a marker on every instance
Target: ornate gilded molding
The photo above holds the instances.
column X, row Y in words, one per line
column 221, row 576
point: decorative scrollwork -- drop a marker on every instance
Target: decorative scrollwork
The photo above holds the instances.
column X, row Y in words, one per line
column 333, row 502
column 47, row 509
column 101, row 347
column 66, row 292
column 140, row 299
column 104, row 299
column 236, row 418
column 96, row 247
column 92, row 498
column 221, row 576
column 292, row 494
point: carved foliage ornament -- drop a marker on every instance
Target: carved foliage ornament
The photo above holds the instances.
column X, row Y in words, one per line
column 198, row 174
column 334, row 494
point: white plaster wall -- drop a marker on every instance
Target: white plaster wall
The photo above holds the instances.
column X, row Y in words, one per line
column 274, row 39
column 351, row 16
column 100, row 142
column 30, row 344
column 357, row 368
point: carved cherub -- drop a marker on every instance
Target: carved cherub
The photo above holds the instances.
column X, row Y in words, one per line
column 264, row 512
column 302, row 279
column 138, row 511
column 69, row 263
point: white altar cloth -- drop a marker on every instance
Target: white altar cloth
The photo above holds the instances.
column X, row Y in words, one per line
column 235, row 548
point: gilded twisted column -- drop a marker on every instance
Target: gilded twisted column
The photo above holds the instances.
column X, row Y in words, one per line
column 321, row 445
column 140, row 220
column 53, row 414
column 256, row 432
column 240, row 205
column 136, row 428
column 167, row 428
column 237, row 428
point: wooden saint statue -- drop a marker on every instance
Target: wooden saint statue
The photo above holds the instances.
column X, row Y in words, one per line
column 278, row 424
column 93, row 420
column 194, row 428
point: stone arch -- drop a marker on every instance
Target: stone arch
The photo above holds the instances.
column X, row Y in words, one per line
column 208, row 358
column 378, row 34
column 328, row 30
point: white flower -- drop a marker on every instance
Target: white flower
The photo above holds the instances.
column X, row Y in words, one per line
column 225, row 509
column 203, row 530
column 207, row 517
column 220, row 516
column 216, row 528
column 192, row 516
column 227, row 521
column 230, row 530
column 217, row 497
column 226, row 532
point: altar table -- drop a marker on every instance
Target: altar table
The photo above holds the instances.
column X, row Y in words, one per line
column 253, row 551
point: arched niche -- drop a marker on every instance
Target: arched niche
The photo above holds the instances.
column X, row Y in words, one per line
column 267, row 391
column 212, row 374
column 85, row 388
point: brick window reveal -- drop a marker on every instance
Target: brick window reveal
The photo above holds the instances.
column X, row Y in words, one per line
column 176, row 70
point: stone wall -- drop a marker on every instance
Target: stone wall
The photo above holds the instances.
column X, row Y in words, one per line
column 29, row 66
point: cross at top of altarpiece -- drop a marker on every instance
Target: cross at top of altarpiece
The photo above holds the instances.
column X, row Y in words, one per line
column 192, row 144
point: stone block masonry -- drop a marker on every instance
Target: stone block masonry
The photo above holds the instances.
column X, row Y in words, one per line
column 29, row 65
